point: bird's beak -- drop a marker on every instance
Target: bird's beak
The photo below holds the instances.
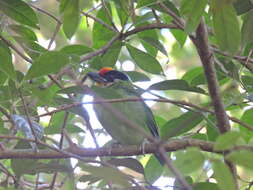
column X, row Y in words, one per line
column 93, row 77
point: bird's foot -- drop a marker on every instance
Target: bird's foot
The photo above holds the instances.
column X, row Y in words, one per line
column 143, row 144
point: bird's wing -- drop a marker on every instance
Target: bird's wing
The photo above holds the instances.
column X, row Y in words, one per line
column 131, row 91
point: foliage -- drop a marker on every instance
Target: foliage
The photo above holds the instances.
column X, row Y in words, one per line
column 48, row 47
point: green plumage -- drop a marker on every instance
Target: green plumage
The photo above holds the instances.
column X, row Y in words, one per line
column 138, row 112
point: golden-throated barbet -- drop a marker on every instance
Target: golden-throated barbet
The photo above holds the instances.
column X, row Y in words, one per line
column 117, row 85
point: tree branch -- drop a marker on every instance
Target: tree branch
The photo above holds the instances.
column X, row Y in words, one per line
column 172, row 145
column 205, row 54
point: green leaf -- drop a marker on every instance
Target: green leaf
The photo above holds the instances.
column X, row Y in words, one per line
column 243, row 6
column 122, row 8
column 206, row 186
column 140, row 20
column 24, row 32
column 227, row 140
column 226, row 26
column 20, row 12
column 76, row 49
column 72, row 89
column 70, row 16
column 151, row 49
column 130, row 163
column 3, row 77
column 45, row 95
column 175, row 85
column 144, row 3
column 155, row 43
column 144, row 60
column 180, row 125
column 101, row 35
column 47, row 63
column 78, row 110
column 189, row 160
column 193, row 73
column 247, row 82
column 179, row 35
column 178, row 185
column 247, row 118
column 242, row 158
column 223, row 176
column 6, row 61
column 111, row 56
column 57, row 122
column 153, row 169
column 109, row 174
column 32, row 48
column 89, row 178
column 137, row 76
column 193, row 10
column 247, row 28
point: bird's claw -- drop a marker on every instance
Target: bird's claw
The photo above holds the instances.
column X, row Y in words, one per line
column 143, row 144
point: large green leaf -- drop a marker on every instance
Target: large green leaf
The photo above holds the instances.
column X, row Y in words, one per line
column 111, row 56
column 242, row 158
column 180, row 125
column 247, row 28
column 130, row 163
column 243, row 6
column 144, row 60
column 193, row 10
column 6, row 61
column 76, row 49
column 155, row 43
column 223, row 176
column 24, row 32
column 188, row 161
column 227, row 140
column 20, row 12
column 137, row 76
column 47, row 63
column 56, row 124
column 247, row 118
column 32, row 48
column 70, row 15
column 175, row 85
column 153, row 169
column 142, row 3
column 226, row 26
column 122, row 8
column 107, row 173
column 100, row 34
column 179, row 35
column 149, row 34
column 206, row 186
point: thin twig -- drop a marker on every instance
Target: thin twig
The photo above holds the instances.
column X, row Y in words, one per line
column 57, row 28
column 164, row 100
column 28, row 118
column 177, row 20
column 109, row 15
column 99, row 21
column 102, row 50
column 45, row 12
column 173, row 169
column 60, row 147
column 8, row 43
column 125, row 35
column 205, row 54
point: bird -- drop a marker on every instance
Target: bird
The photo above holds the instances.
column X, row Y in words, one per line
column 113, row 84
